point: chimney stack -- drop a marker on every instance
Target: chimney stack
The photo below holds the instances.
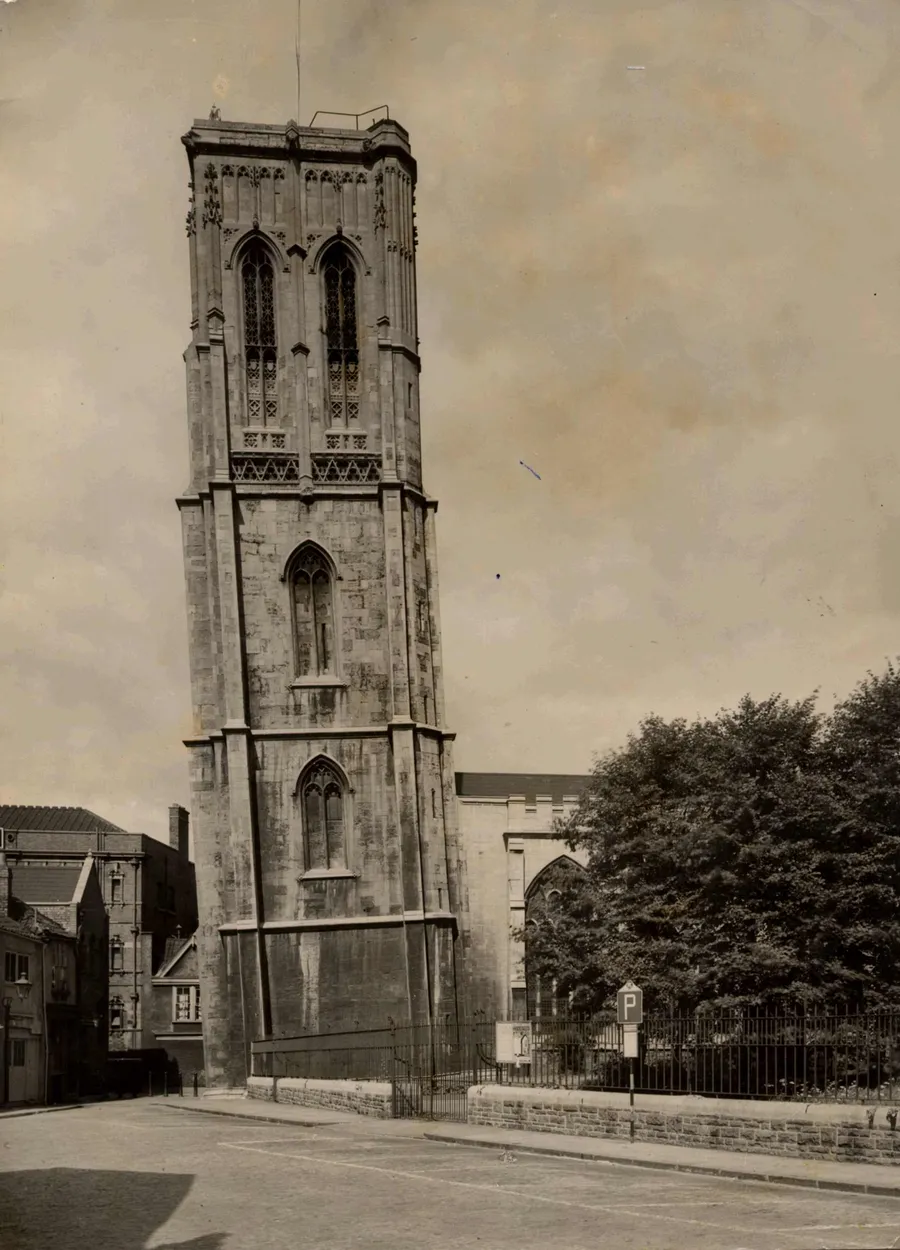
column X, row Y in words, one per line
column 5, row 885
column 179, row 823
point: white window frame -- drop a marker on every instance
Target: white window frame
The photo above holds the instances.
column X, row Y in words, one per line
column 21, row 965
column 193, row 1016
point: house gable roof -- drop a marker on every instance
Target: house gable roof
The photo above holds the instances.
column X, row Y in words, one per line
column 28, row 922
column 54, row 820
column 176, row 952
column 36, row 884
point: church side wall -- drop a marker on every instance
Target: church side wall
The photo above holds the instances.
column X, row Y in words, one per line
column 482, row 826
column 508, row 844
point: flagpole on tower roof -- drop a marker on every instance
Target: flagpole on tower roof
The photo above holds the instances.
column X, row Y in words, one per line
column 297, row 55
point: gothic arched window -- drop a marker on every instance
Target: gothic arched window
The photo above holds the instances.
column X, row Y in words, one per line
column 343, row 346
column 260, row 343
column 312, row 595
column 323, row 818
column 542, row 902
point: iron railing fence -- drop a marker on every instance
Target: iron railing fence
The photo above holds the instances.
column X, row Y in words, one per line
column 447, row 1048
column 813, row 1054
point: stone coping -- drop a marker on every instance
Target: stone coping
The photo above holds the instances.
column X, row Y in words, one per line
column 681, row 1104
column 271, row 1083
column 597, row 1100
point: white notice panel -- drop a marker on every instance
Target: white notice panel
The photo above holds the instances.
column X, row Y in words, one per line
column 513, row 1042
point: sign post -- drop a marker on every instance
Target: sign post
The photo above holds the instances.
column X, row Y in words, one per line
column 630, row 1014
column 512, row 1042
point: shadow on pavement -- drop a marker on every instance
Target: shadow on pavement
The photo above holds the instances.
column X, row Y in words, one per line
column 88, row 1209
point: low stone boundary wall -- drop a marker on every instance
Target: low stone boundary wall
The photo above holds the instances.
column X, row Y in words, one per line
column 848, row 1132
column 364, row 1097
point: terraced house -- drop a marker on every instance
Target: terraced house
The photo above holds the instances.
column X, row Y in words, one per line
column 147, row 887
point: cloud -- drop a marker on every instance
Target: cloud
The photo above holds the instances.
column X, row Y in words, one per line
column 663, row 290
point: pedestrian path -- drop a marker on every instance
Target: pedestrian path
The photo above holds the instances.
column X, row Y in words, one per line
column 869, row 1178
column 15, row 1112
column 256, row 1109
column 866, row 1178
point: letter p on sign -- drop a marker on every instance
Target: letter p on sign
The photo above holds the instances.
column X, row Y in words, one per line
column 630, row 1004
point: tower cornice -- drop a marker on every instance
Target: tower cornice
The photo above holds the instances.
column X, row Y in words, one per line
column 210, row 138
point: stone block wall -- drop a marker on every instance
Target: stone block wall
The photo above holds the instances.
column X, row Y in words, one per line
column 794, row 1130
column 373, row 1098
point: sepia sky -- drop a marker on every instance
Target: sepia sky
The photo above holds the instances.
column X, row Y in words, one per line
column 673, row 292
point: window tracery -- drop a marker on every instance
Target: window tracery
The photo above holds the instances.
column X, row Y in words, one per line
column 312, row 593
column 323, row 818
column 341, row 334
column 260, row 342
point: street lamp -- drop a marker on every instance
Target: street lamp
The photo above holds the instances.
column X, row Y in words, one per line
column 23, row 988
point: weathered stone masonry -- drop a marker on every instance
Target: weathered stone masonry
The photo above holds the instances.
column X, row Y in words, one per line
column 329, row 875
column 371, row 1098
column 850, row 1133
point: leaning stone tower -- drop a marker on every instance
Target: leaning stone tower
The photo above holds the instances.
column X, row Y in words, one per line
column 328, row 871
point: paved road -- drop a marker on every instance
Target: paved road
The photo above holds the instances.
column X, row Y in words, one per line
column 135, row 1175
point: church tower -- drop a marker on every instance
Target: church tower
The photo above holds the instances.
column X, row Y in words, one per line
column 323, row 803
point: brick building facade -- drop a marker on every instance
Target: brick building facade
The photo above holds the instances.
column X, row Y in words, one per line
column 148, row 888
column 329, row 875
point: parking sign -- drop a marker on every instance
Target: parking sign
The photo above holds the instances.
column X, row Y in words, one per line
column 630, row 1004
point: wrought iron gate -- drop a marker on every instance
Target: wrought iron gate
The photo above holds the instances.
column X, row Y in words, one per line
column 430, row 1098
column 429, row 1077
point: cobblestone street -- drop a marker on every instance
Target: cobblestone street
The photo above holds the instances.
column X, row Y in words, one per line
column 136, row 1174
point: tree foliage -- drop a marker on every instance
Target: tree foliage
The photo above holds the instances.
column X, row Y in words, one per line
column 736, row 859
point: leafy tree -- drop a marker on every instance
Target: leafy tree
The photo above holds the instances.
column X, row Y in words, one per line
column 738, row 859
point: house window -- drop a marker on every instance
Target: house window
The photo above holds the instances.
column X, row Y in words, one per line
column 116, row 955
column 260, row 346
column 116, row 885
column 17, row 1052
column 313, row 608
column 59, row 982
column 323, row 818
column 187, row 1003
column 16, row 967
column 340, row 330
column 116, row 1015
column 170, row 898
